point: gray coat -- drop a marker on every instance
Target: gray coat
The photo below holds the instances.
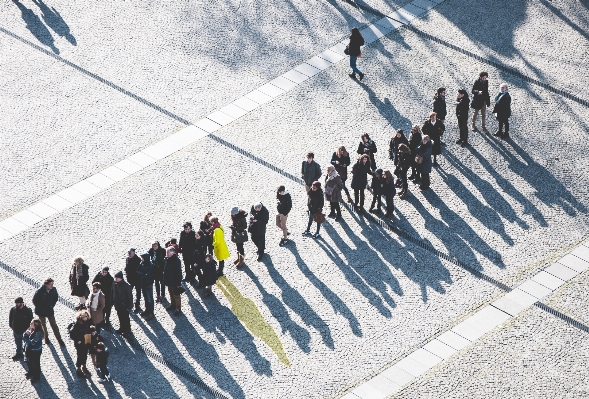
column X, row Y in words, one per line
column 310, row 172
column 337, row 184
column 425, row 150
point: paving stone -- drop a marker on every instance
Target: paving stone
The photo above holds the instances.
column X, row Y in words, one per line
column 188, row 136
column 561, row 271
column 233, row 111
column 27, row 217
column 295, row 76
column 378, row 387
column 117, row 174
column 145, row 160
column 246, row 104
column 339, row 48
column 319, row 63
column 425, row 4
column 221, row 118
column 271, row 90
column 515, row 302
column 397, row 375
column 425, row 357
column 86, row 187
column 439, row 349
column 533, row 288
column 283, row 83
column 12, row 226
column 402, row 16
column 100, row 180
column 582, row 252
column 332, row 56
column 56, row 202
column 128, row 166
column 548, row 280
column 43, row 210
column 73, row 195
column 4, row 235
column 307, row 69
column 412, row 367
column 454, row 340
column 489, row 317
column 574, row 262
column 258, row 97
column 413, row 9
column 207, row 125
column 388, row 23
column 469, row 331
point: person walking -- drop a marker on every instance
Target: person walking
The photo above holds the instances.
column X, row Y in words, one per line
column 310, row 171
column 368, row 147
column 239, row 233
column 106, row 281
column 33, row 339
column 360, row 173
column 503, row 110
column 341, row 160
column 186, row 248
column 145, row 271
column 315, row 204
column 259, row 217
column 122, row 299
column 19, row 320
column 209, row 273
column 425, row 152
column 131, row 265
column 158, row 257
column 173, row 280
column 396, row 140
column 462, row 103
column 414, row 142
column 79, row 276
column 44, row 300
column 220, row 248
column 81, row 334
column 405, row 162
column 333, row 192
column 435, row 130
column 480, row 100
column 95, row 305
column 353, row 50
column 439, row 105
column 377, row 187
column 283, row 207
column 389, row 191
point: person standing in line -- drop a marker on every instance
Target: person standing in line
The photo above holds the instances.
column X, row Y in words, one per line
column 425, row 152
column 341, row 160
column 198, row 256
column 173, row 280
column 205, row 227
column 44, row 300
column 435, row 130
column 82, row 336
column 503, row 110
column 396, row 140
column 356, row 41
column 333, row 192
column 79, row 276
column 239, row 233
column 258, row 220
column 405, row 162
column 145, row 272
column 33, row 339
column 131, row 265
column 368, row 147
column 209, row 273
column 283, row 207
column 389, row 191
column 95, row 305
column 480, row 100
column 462, row 103
column 440, row 105
column 310, row 170
column 106, row 281
column 360, row 173
column 19, row 319
column 172, row 242
column 315, row 205
column 122, row 299
column 102, row 354
column 377, row 191
column 414, row 142
column 219, row 245
column 186, row 248
column 158, row 257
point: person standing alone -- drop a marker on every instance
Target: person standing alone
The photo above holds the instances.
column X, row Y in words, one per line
column 356, row 41
column 283, row 207
column 19, row 319
column 503, row 110
column 44, row 300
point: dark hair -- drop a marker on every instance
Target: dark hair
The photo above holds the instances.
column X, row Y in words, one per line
column 97, row 284
column 310, row 155
column 100, row 346
column 173, row 241
column 400, row 131
column 355, row 33
column 280, row 188
column 404, row 148
column 483, row 74
column 441, row 90
column 365, row 135
column 157, row 243
column 388, row 176
column 92, row 328
column 48, row 281
column 187, row 224
column 364, row 156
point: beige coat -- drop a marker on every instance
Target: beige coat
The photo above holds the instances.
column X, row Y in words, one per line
column 97, row 315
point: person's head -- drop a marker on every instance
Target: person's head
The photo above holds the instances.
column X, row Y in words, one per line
column 388, row 175
column 214, row 220
column 483, row 75
column 198, row 234
column 258, row 207
column 355, row 33
column 461, row 93
column 404, row 148
column 365, row 137
column 78, row 261
column 118, row 276
column 330, row 169
column 310, row 157
column 99, row 347
column 96, row 286
column 415, row 129
column 208, row 258
column 378, row 172
column 425, row 139
column 187, row 226
column 503, row 87
column 173, row 241
column 207, row 216
column 433, row 116
column 93, row 330
column 36, row 325
column 48, row 283
column 234, row 211
column 399, row 133
column 365, row 159
column 155, row 245
column 104, row 271
column 341, row 151
column 170, row 251
column 442, row 92
column 82, row 316
column 280, row 190
column 131, row 252
column 316, row 185
column 19, row 302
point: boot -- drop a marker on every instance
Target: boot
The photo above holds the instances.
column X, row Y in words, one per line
column 241, row 260
column 79, row 372
column 236, row 261
column 349, row 199
column 85, row 370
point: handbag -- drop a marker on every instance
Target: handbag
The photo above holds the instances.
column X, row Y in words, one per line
column 418, row 159
column 319, row 217
column 347, row 50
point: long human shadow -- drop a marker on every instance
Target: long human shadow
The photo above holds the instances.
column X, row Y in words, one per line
column 36, row 27
column 339, row 306
column 386, row 109
column 54, row 20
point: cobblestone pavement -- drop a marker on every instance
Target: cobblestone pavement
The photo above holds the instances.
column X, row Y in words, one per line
column 317, row 316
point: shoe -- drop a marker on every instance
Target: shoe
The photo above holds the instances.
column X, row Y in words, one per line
column 485, row 130
column 282, row 242
column 349, row 199
column 361, row 76
column 435, row 163
column 61, row 343
column 158, row 299
column 17, row 356
column 411, row 177
column 423, row 188
column 352, row 75
column 119, row 331
column 220, row 273
column 331, row 215
column 79, row 372
column 372, row 210
column 463, row 145
column 27, row 375
column 85, row 370
column 236, row 261
column 498, row 133
column 505, row 137
column 417, row 181
column 177, row 312
column 458, row 141
column 260, row 257
column 402, row 194
column 170, row 308
column 338, row 218
column 241, row 261
column 473, row 128
column 316, row 235
column 388, row 215
column 306, row 233
column 47, row 342
column 143, row 313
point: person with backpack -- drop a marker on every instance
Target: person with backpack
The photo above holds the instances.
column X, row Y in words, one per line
column 33, row 339
column 78, row 281
column 310, row 171
column 315, row 204
column 122, row 299
column 44, row 300
column 106, row 281
column 283, row 207
column 145, row 273
column 239, row 233
column 353, row 50
column 158, row 257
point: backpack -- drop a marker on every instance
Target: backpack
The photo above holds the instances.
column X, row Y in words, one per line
column 70, row 330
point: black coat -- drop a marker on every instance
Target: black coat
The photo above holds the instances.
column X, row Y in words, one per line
column 355, row 44
column 414, row 141
column 198, row 255
column 122, row 295
column 262, row 216
column 80, row 286
column 440, row 107
column 377, row 185
column 102, row 357
column 187, row 243
column 360, row 175
column 370, row 149
column 342, row 166
column 435, row 133
column 209, row 272
column 479, row 99
column 503, row 106
column 158, row 258
column 405, row 161
column 131, row 270
column 20, row 319
column 106, row 283
column 394, row 145
column 78, row 332
column 315, row 201
column 45, row 301
column 462, row 108
column 310, row 172
column 145, row 271
column 239, row 227
column 284, row 204
column 173, row 271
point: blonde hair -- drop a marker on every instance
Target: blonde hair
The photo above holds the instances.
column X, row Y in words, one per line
column 79, row 261
column 341, row 151
column 214, row 219
column 80, row 315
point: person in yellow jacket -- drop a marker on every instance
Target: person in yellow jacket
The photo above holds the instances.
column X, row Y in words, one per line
column 219, row 244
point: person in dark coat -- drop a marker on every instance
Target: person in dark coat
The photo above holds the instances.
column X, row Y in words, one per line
column 462, row 103
column 414, row 142
column 398, row 138
column 122, row 299
column 173, row 280
column 198, row 256
column 405, row 162
column 434, row 129
column 205, row 227
column 132, row 263
column 368, row 147
column 315, row 204
column 102, row 354
column 145, row 271
column 440, row 104
column 157, row 254
column 209, row 273
column 258, row 221
column 389, row 191
column 377, row 187
column 480, row 100
column 33, row 339
column 106, row 281
column 333, row 192
column 283, row 207
column 79, row 276
column 186, row 248
column 503, row 110
column 341, row 160
column 82, row 336
column 360, row 173
column 356, row 41
column 239, row 233
column 425, row 151
column 19, row 320
column 310, row 170
column 44, row 300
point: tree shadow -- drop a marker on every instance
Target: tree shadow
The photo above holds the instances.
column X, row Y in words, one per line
column 36, row 27
column 54, row 20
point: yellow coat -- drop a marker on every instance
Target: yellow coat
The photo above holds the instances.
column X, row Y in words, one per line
column 219, row 244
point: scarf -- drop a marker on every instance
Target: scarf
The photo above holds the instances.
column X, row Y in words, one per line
column 79, row 270
column 499, row 96
column 214, row 226
column 333, row 175
column 93, row 301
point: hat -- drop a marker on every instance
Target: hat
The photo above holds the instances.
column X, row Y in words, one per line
column 19, row 300
column 234, row 211
column 119, row 274
column 131, row 250
column 105, row 268
column 317, row 184
column 378, row 171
